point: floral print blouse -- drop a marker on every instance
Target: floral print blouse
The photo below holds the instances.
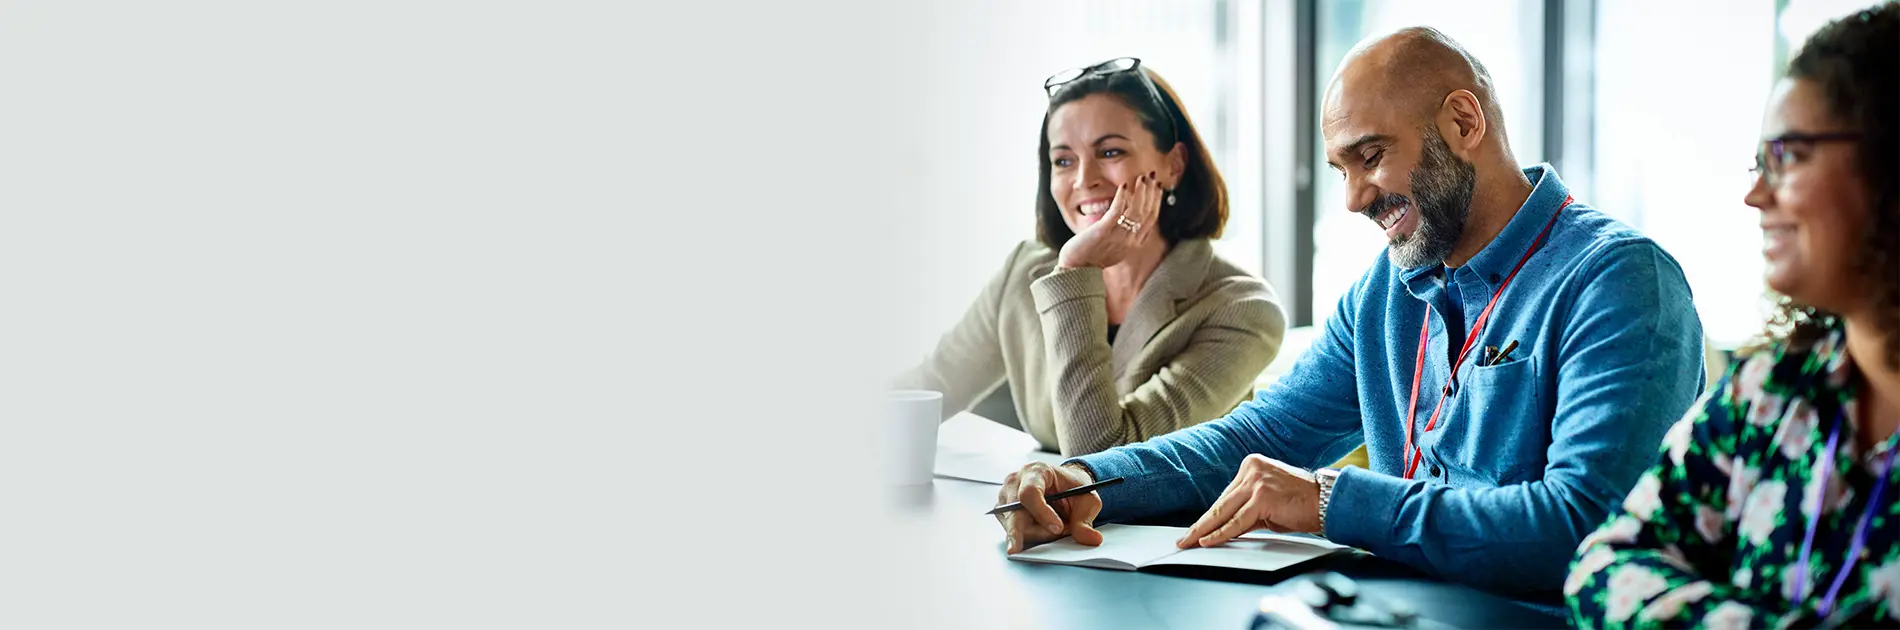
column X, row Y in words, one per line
column 1711, row 535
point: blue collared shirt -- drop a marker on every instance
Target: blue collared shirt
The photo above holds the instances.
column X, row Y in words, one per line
column 1529, row 455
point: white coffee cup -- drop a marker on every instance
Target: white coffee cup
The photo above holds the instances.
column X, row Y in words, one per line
column 911, row 420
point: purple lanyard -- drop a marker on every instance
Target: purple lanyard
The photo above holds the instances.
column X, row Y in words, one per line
column 1814, row 521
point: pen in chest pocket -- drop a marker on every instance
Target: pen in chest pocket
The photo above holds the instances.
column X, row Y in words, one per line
column 1505, row 354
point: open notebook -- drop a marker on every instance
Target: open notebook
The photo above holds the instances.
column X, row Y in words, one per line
column 1132, row 547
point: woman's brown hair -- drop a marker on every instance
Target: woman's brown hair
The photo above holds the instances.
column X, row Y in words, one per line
column 1200, row 208
column 1855, row 61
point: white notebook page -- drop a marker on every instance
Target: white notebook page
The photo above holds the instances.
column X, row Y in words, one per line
column 1124, row 547
column 1257, row 552
column 1129, row 547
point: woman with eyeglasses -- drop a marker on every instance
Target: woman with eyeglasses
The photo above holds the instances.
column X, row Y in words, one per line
column 1775, row 502
column 1118, row 322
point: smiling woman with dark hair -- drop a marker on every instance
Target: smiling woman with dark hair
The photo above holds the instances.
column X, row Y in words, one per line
column 1774, row 503
column 1118, row 323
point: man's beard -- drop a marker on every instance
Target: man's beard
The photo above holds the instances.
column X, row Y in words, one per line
column 1442, row 186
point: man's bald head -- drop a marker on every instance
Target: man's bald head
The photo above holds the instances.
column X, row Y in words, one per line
column 1411, row 126
column 1412, row 70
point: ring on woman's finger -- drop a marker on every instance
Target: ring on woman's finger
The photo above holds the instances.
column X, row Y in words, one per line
column 1127, row 224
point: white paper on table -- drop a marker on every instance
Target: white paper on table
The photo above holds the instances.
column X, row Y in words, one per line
column 973, row 433
column 990, row 469
column 972, row 448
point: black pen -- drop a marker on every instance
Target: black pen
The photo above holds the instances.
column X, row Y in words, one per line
column 1506, row 352
column 1076, row 491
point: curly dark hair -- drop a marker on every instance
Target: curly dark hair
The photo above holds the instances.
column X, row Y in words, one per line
column 1855, row 61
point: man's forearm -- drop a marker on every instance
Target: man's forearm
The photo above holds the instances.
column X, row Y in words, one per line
column 1181, row 471
column 1510, row 539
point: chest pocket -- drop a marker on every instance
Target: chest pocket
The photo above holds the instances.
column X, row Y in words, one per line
column 1500, row 432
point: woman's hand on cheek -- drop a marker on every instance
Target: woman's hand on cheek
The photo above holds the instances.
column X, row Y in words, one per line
column 1108, row 241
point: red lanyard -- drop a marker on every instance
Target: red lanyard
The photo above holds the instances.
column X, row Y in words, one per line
column 1412, row 454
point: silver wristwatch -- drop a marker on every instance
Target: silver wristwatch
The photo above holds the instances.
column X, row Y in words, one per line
column 1326, row 478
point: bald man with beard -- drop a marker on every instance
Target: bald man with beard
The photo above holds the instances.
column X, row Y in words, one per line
column 1511, row 361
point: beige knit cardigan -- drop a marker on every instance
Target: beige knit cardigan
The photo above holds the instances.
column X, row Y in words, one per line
column 1198, row 334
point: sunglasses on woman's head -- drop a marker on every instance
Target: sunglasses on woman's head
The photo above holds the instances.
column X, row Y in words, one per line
column 1113, row 66
column 1065, row 77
